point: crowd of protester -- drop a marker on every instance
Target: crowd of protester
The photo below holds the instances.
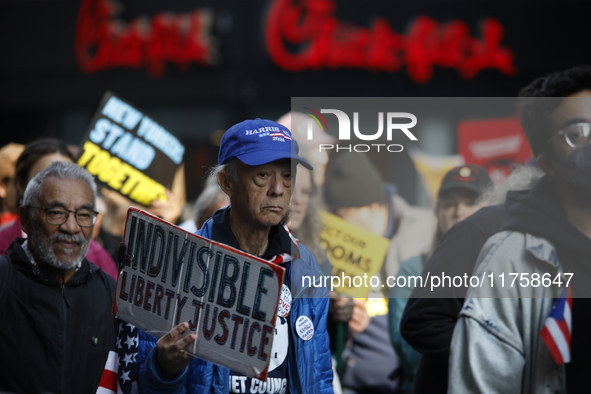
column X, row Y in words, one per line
column 61, row 233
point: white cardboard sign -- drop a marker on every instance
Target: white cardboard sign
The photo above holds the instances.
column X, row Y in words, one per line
column 229, row 298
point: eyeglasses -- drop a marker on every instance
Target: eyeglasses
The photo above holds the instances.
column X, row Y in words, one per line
column 576, row 135
column 58, row 216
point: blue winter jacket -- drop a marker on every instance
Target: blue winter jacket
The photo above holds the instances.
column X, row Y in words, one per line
column 309, row 362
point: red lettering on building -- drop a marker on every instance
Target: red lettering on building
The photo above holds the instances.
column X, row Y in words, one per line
column 304, row 35
column 103, row 42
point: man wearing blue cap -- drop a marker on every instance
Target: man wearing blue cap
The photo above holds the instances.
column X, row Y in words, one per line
column 257, row 166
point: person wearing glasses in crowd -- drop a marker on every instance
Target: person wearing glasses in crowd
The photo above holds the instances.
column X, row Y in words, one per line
column 36, row 156
column 533, row 336
column 55, row 305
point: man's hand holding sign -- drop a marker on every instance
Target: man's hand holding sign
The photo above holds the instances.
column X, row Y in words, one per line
column 171, row 353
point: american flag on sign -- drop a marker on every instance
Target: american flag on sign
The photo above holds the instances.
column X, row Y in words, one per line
column 121, row 370
column 557, row 329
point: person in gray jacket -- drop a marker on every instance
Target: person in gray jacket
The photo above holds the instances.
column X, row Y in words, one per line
column 530, row 335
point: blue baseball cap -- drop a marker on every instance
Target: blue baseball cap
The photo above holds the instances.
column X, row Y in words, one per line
column 258, row 141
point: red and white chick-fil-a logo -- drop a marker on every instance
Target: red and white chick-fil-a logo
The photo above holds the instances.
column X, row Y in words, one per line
column 305, row 35
column 104, row 42
column 394, row 122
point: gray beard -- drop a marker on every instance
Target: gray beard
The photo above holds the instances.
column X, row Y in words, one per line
column 45, row 251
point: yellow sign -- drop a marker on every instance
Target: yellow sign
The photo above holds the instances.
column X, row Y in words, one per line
column 120, row 176
column 376, row 306
column 432, row 168
column 356, row 255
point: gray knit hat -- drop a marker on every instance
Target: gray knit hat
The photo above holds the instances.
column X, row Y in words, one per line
column 352, row 181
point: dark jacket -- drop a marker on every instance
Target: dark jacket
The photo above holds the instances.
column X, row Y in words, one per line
column 53, row 338
column 429, row 318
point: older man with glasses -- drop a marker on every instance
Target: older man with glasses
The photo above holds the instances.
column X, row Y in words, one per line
column 55, row 305
column 256, row 170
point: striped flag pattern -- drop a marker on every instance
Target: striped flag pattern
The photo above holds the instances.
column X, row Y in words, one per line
column 557, row 329
column 285, row 257
column 121, row 369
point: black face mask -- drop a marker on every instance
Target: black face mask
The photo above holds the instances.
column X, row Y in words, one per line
column 579, row 169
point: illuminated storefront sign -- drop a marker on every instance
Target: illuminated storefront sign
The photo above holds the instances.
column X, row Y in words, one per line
column 305, row 35
column 299, row 36
column 104, row 42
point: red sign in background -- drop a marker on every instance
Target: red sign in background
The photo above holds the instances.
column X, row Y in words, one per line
column 495, row 144
column 104, row 41
column 331, row 43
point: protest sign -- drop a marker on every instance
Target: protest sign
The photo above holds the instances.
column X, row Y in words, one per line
column 352, row 252
column 432, row 168
column 495, row 144
column 129, row 152
column 229, row 298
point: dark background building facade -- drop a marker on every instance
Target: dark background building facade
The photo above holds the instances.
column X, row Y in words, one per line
column 200, row 66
